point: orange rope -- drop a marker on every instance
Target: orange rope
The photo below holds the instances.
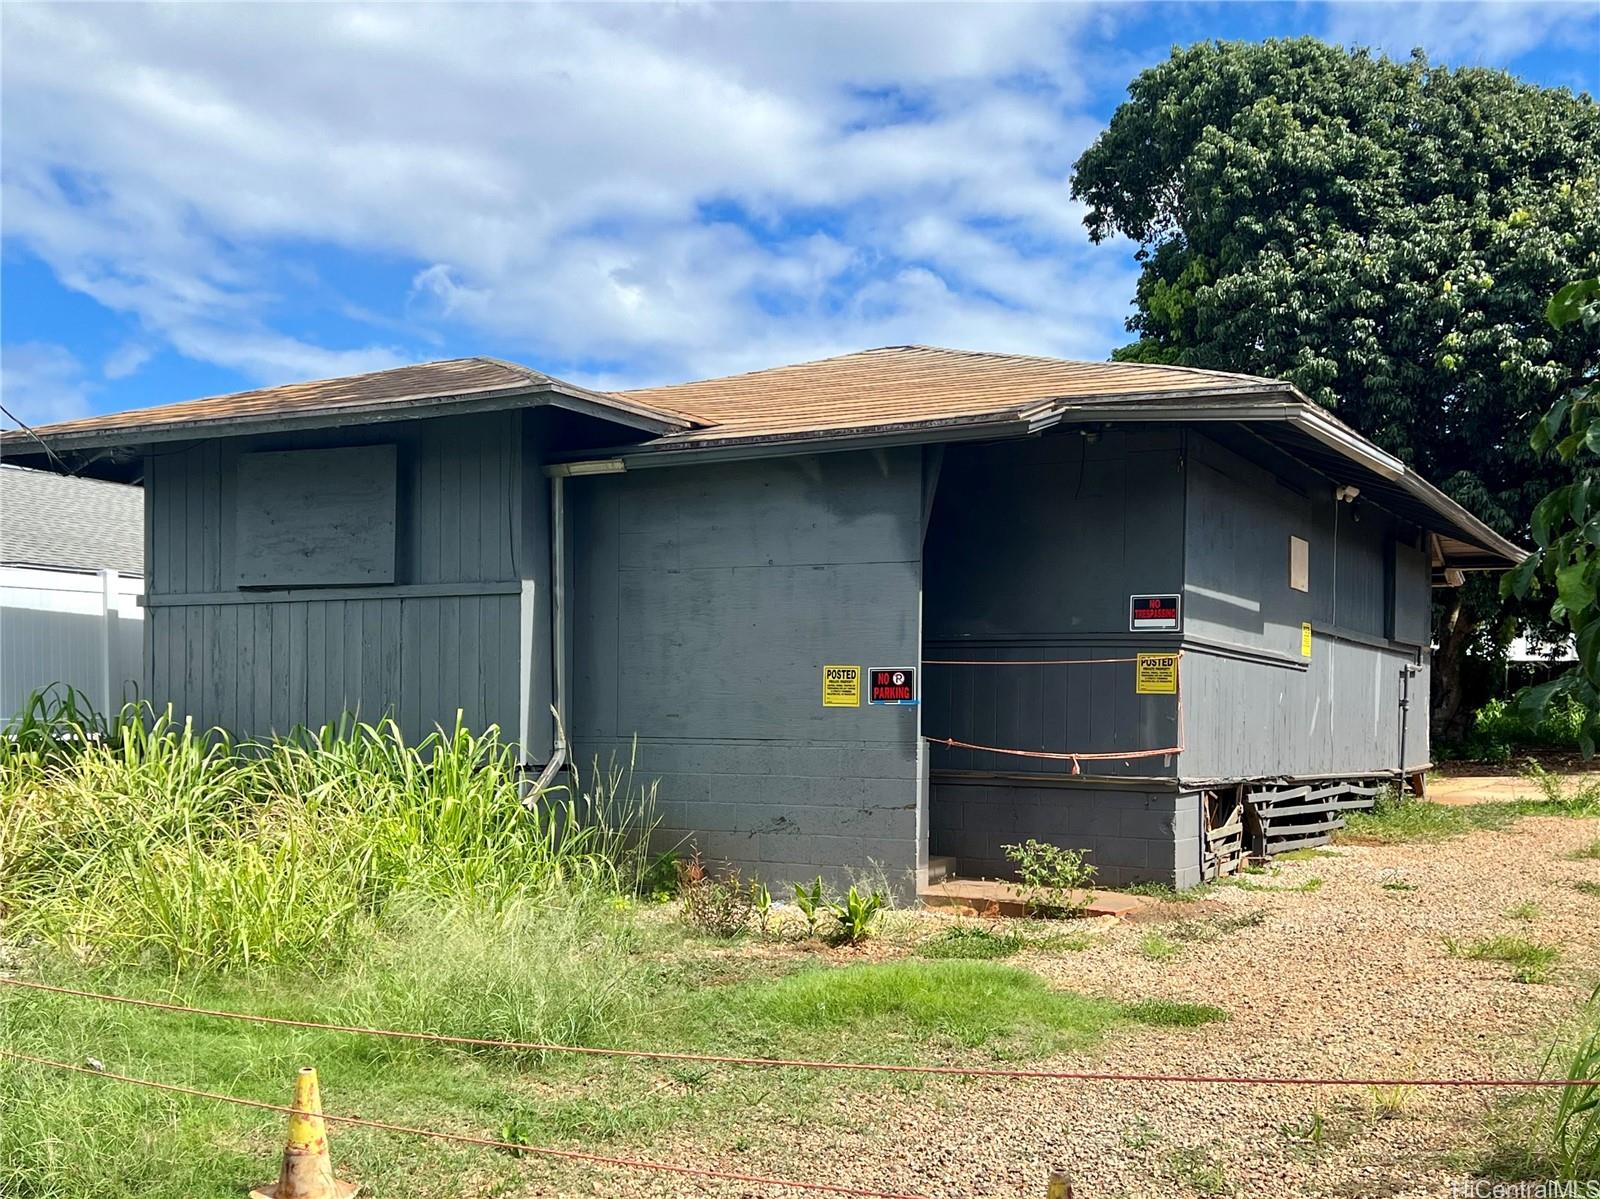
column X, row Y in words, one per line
column 1053, row 756
column 1022, row 661
column 625, row 1163
column 1031, row 661
column 803, row 1063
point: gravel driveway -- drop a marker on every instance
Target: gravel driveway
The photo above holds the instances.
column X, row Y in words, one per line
column 1351, row 978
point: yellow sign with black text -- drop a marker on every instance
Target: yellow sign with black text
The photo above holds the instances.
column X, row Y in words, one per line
column 1156, row 674
column 1305, row 640
column 841, row 686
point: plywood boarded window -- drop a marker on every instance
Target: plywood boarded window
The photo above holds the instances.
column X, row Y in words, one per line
column 315, row 518
column 1299, row 564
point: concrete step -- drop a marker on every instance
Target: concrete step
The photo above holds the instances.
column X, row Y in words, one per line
column 939, row 869
column 988, row 896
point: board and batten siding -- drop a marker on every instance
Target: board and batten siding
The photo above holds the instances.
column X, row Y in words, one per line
column 1255, row 707
column 443, row 636
column 706, row 601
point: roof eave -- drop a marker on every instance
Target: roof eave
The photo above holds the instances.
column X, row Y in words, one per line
column 989, row 426
column 1289, row 406
column 555, row 393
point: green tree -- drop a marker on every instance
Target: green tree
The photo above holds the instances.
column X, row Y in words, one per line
column 1566, row 523
column 1383, row 235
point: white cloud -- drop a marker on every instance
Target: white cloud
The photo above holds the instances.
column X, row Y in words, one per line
column 675, row 190
column 1492, row 32
column 126, row 360
column 41, row 382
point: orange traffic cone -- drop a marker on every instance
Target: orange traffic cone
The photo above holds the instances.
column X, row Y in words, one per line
column 307, row 1170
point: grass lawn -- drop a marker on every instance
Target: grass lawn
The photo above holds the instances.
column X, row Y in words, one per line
column 790, row 1002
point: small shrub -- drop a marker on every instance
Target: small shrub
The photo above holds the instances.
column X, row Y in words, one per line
column 1055, row 881
column 721, row 907
column 971, row 942
column 855, row 915
column 1170, row 1013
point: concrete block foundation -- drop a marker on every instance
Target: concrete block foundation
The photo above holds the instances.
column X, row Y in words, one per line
column 1129, row 835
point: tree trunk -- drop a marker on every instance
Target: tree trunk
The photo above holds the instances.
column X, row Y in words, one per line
column 1450, row 718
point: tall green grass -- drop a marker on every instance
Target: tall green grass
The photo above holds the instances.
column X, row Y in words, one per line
column 144, row 841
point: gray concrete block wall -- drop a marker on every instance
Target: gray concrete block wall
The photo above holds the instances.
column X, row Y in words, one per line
column 707, row 600
column 1129, row 836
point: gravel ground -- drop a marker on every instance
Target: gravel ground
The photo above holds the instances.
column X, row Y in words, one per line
column 1349, row 979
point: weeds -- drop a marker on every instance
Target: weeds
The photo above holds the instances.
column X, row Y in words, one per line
column 1589, row 853
column 1572, row 1139
column 1055, row 881
column 1197, row 1170
column 1165, row 893
column 1170, row 1013
column 1585, row 887
column 1311, row 1132
column 1158, row 947
column 971, row 942
column 1391, row 1101
column 147, row 842
column 1531, row 962
column 719, row 907
column 1527, row 911
column 1311, row 884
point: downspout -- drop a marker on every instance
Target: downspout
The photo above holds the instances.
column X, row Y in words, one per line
column 558, row 613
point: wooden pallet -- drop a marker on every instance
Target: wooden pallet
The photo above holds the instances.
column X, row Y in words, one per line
column 1222, row 816
column 1285, row 816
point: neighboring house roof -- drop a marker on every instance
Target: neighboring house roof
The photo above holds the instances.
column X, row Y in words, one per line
column 70, row 523
column 893, row 395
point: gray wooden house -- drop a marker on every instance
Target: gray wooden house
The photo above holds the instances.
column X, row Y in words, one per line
column 904, row 603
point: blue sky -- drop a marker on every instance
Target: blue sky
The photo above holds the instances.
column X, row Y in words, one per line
column 207, row 197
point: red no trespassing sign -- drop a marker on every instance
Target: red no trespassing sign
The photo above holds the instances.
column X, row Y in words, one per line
column 1153, row 613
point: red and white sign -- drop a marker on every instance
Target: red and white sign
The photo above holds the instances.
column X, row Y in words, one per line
column 892, row 685
column 1153, row 613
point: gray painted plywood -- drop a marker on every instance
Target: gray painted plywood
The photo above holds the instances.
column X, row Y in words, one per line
column 312, row 517
column 442, row 637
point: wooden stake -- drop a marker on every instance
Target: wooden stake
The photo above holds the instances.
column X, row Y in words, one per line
column 1060, row 1186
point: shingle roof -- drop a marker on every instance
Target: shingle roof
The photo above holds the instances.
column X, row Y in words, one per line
column 912, row 385
column 427, row 385
column 77, row 524
column 897, row 392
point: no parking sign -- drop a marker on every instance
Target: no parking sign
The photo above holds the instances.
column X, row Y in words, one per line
column 892, row 685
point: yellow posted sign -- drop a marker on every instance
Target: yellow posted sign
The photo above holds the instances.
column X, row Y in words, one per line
column 1156, row 674
column 1305, row 640
column 841, row 686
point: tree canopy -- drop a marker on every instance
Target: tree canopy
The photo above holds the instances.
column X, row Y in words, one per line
column 1382, row 234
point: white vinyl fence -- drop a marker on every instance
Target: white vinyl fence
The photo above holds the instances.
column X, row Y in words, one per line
column 83, row 628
